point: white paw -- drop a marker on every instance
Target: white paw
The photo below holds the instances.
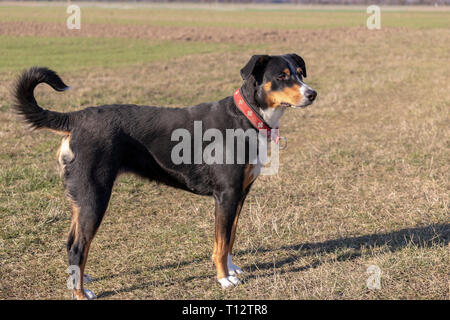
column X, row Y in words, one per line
column 87, row 278
column 233, row 269
column 229, row 281
column 234, row 280
column 89, row 294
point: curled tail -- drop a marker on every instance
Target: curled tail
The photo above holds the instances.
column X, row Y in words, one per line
column 25, row 104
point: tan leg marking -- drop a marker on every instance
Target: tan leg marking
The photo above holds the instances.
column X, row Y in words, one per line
column 79, row 293
column 220, row 256
column 75, row 231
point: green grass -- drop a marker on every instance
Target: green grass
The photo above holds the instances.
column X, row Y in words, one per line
column 68, row 54
column 239, row 18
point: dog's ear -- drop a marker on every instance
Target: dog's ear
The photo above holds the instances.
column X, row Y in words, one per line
column 255, row 67
column 300, row 62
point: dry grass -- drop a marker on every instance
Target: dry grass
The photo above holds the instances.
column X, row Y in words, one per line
column 364, row 180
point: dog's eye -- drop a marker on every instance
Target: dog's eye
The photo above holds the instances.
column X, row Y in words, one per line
column 283, row 76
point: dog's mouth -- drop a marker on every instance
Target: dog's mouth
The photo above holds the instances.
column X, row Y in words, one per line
column 286, row 105
column 304, row 104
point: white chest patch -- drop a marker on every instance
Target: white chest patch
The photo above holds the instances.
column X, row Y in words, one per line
column 272, row 116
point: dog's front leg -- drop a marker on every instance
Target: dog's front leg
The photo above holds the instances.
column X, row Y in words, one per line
column 227, row 204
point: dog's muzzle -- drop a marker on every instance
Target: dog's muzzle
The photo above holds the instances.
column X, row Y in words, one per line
column 309, row 95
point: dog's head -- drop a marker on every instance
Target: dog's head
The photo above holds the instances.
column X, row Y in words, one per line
column 277, row 81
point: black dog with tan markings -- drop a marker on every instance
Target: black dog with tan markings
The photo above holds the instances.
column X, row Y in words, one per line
column 101, row 142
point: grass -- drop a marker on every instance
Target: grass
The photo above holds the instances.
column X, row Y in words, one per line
column 364, row 180
column 75, row 53
column 254, row 19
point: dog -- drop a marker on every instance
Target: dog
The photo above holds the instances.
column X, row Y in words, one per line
column 101, row 142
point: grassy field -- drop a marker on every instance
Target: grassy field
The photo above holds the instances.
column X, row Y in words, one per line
column 364, row 180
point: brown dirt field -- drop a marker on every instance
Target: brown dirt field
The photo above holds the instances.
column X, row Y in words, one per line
column 201, row 34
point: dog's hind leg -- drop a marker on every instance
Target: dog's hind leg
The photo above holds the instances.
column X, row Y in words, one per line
column 89, row 202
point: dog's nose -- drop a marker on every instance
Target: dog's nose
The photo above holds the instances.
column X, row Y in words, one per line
column 311, row 95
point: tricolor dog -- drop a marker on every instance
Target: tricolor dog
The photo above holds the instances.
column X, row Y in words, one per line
column 101, row 142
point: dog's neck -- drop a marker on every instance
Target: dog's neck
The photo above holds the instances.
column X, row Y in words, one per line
column 271, row 116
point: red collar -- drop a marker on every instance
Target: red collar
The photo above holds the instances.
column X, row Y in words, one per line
column 254, row 117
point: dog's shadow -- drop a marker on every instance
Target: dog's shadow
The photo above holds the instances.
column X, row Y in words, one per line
column 422, row 237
